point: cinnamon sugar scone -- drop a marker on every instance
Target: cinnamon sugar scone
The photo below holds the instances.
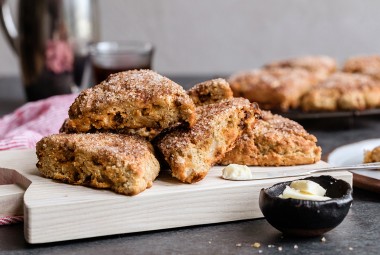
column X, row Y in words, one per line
column 125, row 164
column 369, row 65
column 321, row 67
column 137, row 101
column 343, row 91
column 209, row 92
column 372, row 156
column 274, row 141
column 274, row 88
column 191, row 152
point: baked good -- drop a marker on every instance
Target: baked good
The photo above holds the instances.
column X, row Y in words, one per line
column 125, row 164
column 190, row 152
column 343, row 91
column 274, row 141
column 211, row 91
column 320, row 67
column 372, row 156
column 369, row 65
column 274, row 88
column 136, row 101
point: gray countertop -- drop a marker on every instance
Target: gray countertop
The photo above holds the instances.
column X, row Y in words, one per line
column 357, row 234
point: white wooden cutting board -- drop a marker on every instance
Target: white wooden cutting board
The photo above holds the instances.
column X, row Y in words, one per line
column 55, row 211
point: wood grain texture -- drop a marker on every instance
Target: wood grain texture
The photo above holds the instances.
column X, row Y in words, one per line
column 55, row 212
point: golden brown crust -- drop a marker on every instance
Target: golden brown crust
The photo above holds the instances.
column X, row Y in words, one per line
column 343, row 91
column 210, row 92
column 321, row 67
column 125, row 164
column 369, row 65
column 372, row 156
column 136, row 99
column 274, row 88
column 274, row 141
column 191, row 152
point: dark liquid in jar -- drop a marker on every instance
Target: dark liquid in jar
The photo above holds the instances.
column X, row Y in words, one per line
column 101, row 73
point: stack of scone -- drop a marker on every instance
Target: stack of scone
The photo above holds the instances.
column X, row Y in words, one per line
column 312, row 83
column 107, row 140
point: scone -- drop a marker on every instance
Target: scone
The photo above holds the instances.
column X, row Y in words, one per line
column 274, row 88
column 369, row 65
column 343, row 91
column 321, row 67
column 372, row 156
column 125, row 164
column 132, row 102
column 274, row 141
column 191, row 152
column 210, row 92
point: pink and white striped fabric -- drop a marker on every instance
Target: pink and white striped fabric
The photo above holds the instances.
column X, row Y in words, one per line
column 23, row 128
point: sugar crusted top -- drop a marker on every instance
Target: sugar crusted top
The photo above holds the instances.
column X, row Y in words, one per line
column 129, row 86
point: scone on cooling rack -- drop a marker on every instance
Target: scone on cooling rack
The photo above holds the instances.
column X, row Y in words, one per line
column 274, row 141
column 321, row 67
column 274, row 88
column 343, row 91
column 125, row 164
column 369, row 65
column 191, row 152
column 209, row 92
column 133, row 102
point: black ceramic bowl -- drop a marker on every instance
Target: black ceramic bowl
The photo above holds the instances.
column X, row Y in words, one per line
column 304, row 217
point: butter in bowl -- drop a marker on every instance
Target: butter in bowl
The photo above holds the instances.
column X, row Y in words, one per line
column 306, row 207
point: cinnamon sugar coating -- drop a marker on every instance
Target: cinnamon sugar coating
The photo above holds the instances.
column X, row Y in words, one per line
column 129, row 101
column 343, row 91
column 125, row 164
column 321, row 67
column 274, row 141
column 274, row 88
column 209, row 92
column 191, row 152
column 369, row 65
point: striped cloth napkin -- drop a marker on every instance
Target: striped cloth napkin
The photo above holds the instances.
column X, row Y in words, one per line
column 23, row 128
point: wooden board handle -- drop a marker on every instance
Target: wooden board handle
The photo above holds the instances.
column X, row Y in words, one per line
column 12, row 188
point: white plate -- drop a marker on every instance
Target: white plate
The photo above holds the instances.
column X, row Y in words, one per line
column 352, row 154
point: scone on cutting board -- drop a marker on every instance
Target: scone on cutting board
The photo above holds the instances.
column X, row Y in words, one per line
column 133, row 102
column 191, row 152
column 274, row 141
column 126, row 164
column 211, row 91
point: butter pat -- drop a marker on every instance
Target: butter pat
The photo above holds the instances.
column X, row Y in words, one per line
column 308, row 187
column 236, row 172
column 305, row 190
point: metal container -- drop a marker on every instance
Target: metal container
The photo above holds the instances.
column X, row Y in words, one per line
column 51, row 41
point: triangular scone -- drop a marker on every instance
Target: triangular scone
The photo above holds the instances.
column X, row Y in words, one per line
column 274, row 88
column 321, row 67
column 368, row 65
column 133, row 102
column 190, row 152
column 274, row 141
column 343, row 91
column 372, row 156
column 211, row 91
column 125, row 164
